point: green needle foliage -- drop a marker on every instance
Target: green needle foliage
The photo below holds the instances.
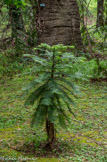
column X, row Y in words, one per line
column 52, row 89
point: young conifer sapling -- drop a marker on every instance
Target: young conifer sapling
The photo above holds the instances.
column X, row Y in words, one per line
column 52, row 89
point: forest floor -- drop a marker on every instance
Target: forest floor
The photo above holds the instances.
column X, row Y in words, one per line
column 85, row 140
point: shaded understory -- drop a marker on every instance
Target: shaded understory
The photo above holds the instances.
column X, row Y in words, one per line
column 85, row 140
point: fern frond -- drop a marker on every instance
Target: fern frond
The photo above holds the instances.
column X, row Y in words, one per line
column 68, row 90
column 62, row 120
column 65, row 95
column 39, row 116
column 52, row 112
column 65, row 81
column 40, row 113
column 36, row 82
column 35, row 95
column 69, row 108
column 61, row 112
column 37, row 59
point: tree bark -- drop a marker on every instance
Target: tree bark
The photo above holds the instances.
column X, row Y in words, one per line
column 50, row 133
column 58, row 22
column 100, row 13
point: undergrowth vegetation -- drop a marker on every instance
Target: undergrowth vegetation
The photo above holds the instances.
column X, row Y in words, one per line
column 84, row 140
column 85, row 136
column 79, row 65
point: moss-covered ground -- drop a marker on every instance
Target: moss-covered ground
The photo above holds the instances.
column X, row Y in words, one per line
column 85, row 140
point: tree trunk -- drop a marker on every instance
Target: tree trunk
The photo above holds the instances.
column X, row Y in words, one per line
column 17, row 27
column 100, row 13
column 16, row 20
column 105, row 12
column 50, row 133
column 32, row 40
column 58, row 22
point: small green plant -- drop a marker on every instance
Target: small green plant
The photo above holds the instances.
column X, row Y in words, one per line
column 52, row 89
column 9, row 66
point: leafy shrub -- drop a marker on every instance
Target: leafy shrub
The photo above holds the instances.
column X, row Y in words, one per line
column 89, row 69
column 10, row 65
